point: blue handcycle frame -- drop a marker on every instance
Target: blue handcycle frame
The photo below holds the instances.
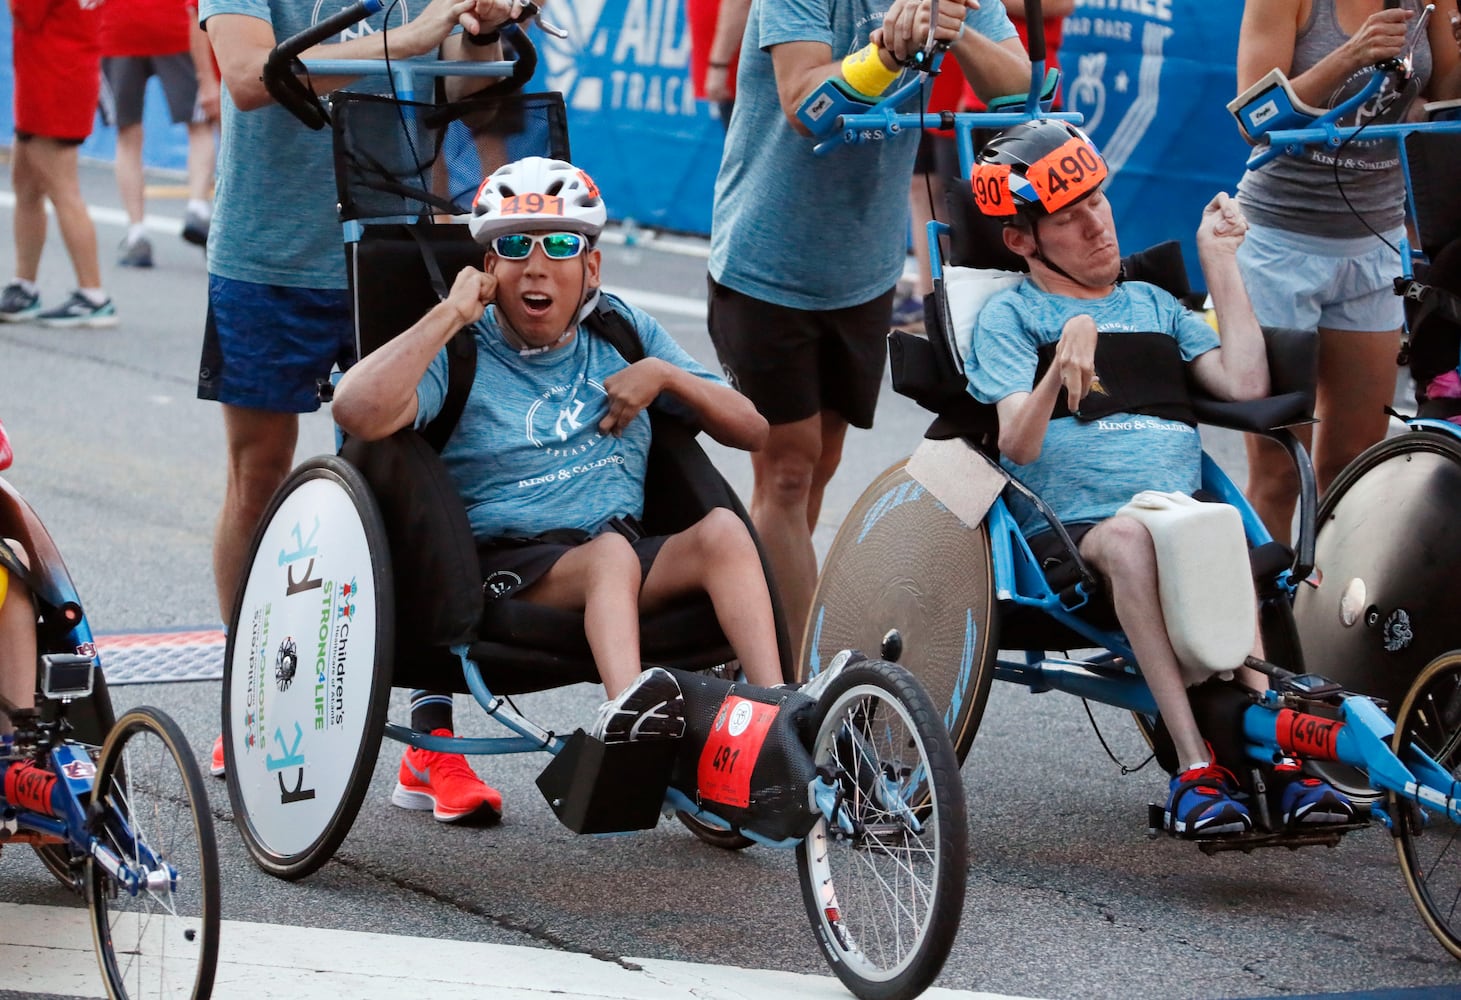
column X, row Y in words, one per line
column 1361, row 735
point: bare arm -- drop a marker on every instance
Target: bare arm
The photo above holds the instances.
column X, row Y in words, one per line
column 993, row 69
column 726, row 415
column 1445, row 83
column 1270, row 28
column 1024, row 416
column 377, row 396
column 730, row 28
column 242, row 45
column 1238, row 369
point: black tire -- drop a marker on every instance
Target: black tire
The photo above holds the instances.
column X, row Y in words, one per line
column 1385, row 537
column 293, row 810
column 875, row 720
column 726, row 840
column 161, row 942
column 91, row 720
column 907, row 581
column 1430, row 851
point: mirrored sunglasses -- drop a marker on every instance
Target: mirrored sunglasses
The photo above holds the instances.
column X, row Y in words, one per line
column 558, row 246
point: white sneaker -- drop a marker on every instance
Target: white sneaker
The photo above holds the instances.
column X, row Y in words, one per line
column 652, row 708
column 820, row 682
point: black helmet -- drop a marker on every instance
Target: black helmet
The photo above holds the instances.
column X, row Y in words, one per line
column 1035, row 168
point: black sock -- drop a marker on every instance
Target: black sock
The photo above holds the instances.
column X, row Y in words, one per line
column 430, row 711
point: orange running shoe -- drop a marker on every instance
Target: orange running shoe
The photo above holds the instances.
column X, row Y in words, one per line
column 446, row 784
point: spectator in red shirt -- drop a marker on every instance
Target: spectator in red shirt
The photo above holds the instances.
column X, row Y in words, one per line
column 141, row 39
column 57, row 78
column 716, row 29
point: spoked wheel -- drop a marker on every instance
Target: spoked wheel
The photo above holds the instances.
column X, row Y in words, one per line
column 158, row 937
column 884, row 882
column 909, row 582
column 1430, row 850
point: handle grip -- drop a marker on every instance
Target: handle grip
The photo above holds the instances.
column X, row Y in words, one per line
column 279, row 69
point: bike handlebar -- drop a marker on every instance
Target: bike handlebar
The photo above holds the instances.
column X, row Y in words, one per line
column 284, row 85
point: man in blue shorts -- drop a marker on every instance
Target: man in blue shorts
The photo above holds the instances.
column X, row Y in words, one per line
column 278, row 310
column 805, row 250
column 552, row 446
column 1044, row 180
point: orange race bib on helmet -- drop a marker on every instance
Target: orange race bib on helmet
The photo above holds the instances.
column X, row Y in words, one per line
column 1036, row 168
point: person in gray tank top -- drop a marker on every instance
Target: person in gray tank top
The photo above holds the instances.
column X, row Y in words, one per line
column 1322, row 250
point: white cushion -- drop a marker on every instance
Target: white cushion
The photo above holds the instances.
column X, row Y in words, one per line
column 967, row 289
column 1204, row 580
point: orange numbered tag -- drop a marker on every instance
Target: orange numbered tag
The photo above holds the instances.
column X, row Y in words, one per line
column 532, row 203
column 730, row 754
column 1066, row 173
column 992, row 189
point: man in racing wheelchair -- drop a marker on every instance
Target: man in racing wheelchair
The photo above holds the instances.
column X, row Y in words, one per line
column 1038, row 354
column 550, row 450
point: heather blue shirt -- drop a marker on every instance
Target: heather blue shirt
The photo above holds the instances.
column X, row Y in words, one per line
column 527, row 455
column 1087, row 470
column 800, row 230
column 274, row 220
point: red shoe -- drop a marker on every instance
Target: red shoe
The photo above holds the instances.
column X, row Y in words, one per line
column 445, row 784
column 216, row 766
column 30, row 787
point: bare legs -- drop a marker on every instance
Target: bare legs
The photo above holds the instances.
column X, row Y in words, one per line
column 260, row 456
column 44, row 170
column 791, row 475
column 1356, row 383
column 715, row 555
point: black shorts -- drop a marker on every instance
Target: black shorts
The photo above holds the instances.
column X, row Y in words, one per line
column 511, row 564
column 795, row 363
column 1048, row 549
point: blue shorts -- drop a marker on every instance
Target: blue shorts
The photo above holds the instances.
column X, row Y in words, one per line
column 1306, row 282
column 268, row 347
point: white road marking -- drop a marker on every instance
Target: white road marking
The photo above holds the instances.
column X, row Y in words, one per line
column 47, row 949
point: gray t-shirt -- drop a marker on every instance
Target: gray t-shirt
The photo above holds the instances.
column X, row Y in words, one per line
column 274, row 219
column 1301, row 194
column 800, row 230
column 1087, row 470
column 527, row 455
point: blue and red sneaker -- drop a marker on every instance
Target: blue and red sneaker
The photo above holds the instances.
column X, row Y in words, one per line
column 1201, row 804
column 1308, row 801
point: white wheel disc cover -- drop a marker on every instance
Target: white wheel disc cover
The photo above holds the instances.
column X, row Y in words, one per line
column 303, row 663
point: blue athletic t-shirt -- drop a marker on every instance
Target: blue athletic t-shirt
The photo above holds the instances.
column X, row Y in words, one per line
column 1087, row 470
column 527, row 455
column 274, row 220
column 806, row 231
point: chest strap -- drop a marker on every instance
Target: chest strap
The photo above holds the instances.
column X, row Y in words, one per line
column 1135, row 373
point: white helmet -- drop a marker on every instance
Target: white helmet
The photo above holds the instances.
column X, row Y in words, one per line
column 536, row 194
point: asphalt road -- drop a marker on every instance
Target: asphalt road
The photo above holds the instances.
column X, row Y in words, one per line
column 1067, row 897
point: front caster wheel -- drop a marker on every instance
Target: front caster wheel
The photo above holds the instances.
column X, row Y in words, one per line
column 883, row 880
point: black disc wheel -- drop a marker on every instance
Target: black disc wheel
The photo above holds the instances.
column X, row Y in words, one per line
column 1428, row 842
column 1384, row 606
column 883, row 880
column 908, row 582
column 154, row 903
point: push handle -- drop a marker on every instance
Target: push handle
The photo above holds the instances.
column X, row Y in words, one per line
column 279, row 69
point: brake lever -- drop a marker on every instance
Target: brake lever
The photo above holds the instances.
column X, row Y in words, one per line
column 535, row 12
